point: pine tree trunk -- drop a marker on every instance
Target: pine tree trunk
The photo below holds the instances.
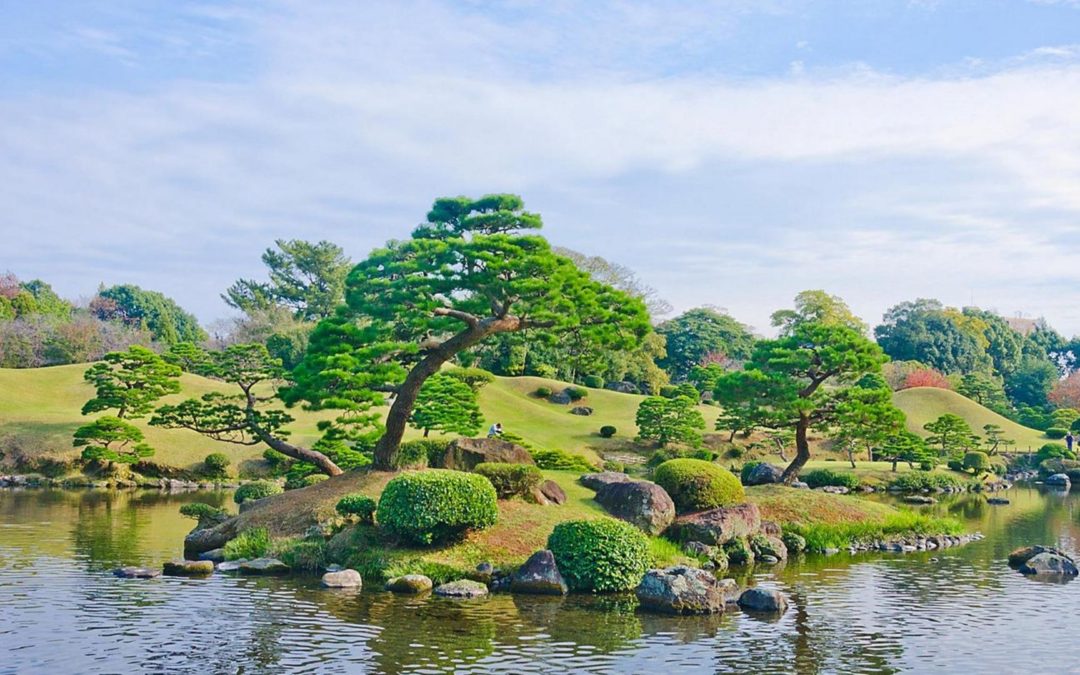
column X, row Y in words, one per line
column 802, row 452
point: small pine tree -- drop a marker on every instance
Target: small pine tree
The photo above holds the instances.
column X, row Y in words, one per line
column 446, row 403
column 669, row 419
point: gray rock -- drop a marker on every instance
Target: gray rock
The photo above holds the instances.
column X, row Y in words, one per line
column 560, row 398
column 264, row 567
column 681, row 590
column 582, row 410
column 484, row 573
column 409, row 583
column 553, row 492
column 595, row 481
column 718, row 526
column 919, row 499
column 188, row 568
column 764, row 474
column 763, row 600
column 539, row 575
column 231, row 565
column 1021, row 555
column 800, row 485
column 463, row 454
column 1049, row 564
column 136, row 573
column 1059, row 480
column 764, row 545
column 207, row 539
column 463, row 589
column 215, row 556
column 997, row 500
column 622, row 387
column 730, row 590
column 342, row 579
column 645, row 505
column 834, row 489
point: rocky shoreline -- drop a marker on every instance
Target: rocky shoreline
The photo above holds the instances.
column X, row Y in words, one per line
column 85, row 482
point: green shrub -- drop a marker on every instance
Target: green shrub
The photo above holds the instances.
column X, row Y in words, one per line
column 253, row 543
column 917, row 481
column 795, row 543
column 279, row 463
column 822, row 536
column 612, row 465
column 417, row 454
column 593, row 381
column 511, row 480
column 704, row 454
column 1049, row 467
column 437, row 505
column 1053, row 451
column 696, row 485
column 607, row 431
column 735, row 452
column 297, row 482
column 739, row 552
column 689, row 391
column 926, row 465
column 576, row 393
column 1075, row 426
column 256, row 490
column 559, row 460
column 663, row 455
column 955, row 465
column 204, row 513
column 361, row 506
column 977, row 462
column 669, row 391
column 1056, row 433
column 542, row 392
column 744, row 473
column 823, row 477
column 600, row 556
column 301, row 555
column 216, row 465
column 476, row 378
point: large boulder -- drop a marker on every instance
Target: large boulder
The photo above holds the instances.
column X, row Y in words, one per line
column 136, row 573
column 561, row 398
column 539, row 575
column 409, row 583
column 595, row 481
column 681, row 590
column 645, row 505
column 465, row 589
column 718, row 526
column 582, row 410
column 1049, row 564
column 553, row 492
column 463, row 454
column 188, row 568
column 1021, row 555
column 763, row 600
column 764, row 474
column 207, row 539
column 342, row 579
column 623, row 387
column 264, row 567
column 1059, row 480
column 766, row 546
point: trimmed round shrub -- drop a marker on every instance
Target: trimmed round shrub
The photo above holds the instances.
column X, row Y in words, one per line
column 600, row 556
column 436, row 505
column 361, row 506
column 1053, row 451
column 607, row 431
column 256, row 490
column 297, row 482
column 823, row 477
column 542, row 392
column 696, row 485
column 511, row 480
column 216, row 465
column 576, row 393
column 1056, row 433
column 744, row 473
column 977, row 462
column 593, row 381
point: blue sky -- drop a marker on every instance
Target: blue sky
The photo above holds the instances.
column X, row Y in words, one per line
column 732, row 152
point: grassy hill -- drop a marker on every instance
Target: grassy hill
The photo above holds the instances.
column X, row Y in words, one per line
column 925, row 404
column 39, row 410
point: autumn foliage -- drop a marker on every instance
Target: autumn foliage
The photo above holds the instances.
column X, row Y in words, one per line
column 926, row 378
column 1066, row 393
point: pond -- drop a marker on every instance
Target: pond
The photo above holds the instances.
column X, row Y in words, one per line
column 948, row 611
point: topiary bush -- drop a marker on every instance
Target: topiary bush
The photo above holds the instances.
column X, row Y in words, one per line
column 253, row 543
column 1056, row 433
column 696, row 485
column 822, row 477
column 607, row 431
column 258, row 489
column 216, row 465
column 977, row 462
column 600, row 556
column 360, row 506
column 437, row 505
column 1053, row 451
column 593, row 381
column 297, row 482
column 559, row 460
column 576, row 393
column 511, row 480
column 542, row 392
column 744, row 473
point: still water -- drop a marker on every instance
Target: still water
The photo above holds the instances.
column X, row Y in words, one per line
column 958, row 610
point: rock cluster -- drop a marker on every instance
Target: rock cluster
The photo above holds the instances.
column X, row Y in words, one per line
column 681, row 590
column 463, row 454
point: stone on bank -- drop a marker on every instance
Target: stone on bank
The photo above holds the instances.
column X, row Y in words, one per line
column 409, row 583
column 539, row 575
column 681, row 590
column 342, row 579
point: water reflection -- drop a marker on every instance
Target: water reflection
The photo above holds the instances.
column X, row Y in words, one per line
column 948, row 610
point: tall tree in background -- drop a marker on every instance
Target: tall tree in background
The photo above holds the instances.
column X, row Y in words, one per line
column 667, row 420
column 306, row 278
column 620, row 277
column 157, row 313
column 950, row 435
column 694, row 336
column 804, row 380
column 924, row 331
column 817, row 306
column 866, row 417
column 469, row 273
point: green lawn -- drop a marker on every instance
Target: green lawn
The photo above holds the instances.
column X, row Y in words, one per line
column 925, row 404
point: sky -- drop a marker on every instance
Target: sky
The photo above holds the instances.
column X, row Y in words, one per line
column 731, row 152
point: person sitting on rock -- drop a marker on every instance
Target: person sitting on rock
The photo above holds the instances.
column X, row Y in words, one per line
column 495, row 430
